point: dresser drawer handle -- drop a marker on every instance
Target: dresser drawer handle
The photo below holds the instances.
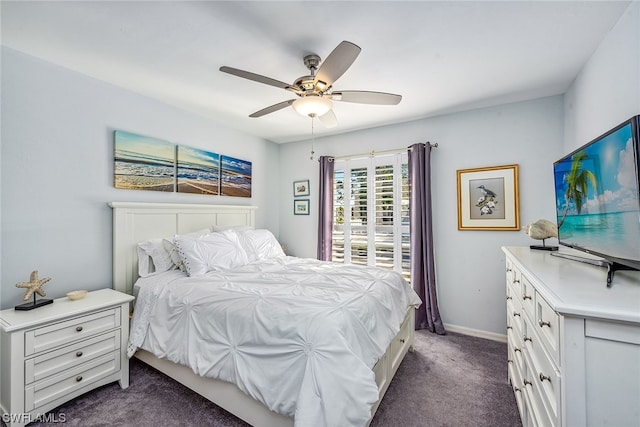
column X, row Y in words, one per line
column 541, row 323
column 402, row 340
column 517, row 389
column 526, row 338
column 509, row 361
column 544, row 377
column 516, row 281
column 78, row 328
column 526, row 297
column 509, row 270
column 515, row 313
column 509, row 327
column 509, row 298
column 516, row 349
column 79, row 378
column 79, row 354
column 527, row 382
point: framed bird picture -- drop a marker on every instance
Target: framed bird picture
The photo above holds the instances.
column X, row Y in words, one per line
column 488, row 198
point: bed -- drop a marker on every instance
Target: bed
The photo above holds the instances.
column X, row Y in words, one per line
column 382, row 350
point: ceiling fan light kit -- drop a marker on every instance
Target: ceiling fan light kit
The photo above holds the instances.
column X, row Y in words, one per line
column 315, row 90
column 312, row 105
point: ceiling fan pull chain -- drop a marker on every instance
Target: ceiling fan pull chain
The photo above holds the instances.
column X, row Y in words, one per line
column 312, row 138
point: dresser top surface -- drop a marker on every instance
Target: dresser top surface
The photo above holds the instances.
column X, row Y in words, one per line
column 11, row 319
column 575, row 288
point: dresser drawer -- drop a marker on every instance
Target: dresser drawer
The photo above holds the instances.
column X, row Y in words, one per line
column 53, row 362
column 548, row 327
column 536, row 395
column 543, row 373
column 69, row 331
column 43, row 392
column 515, row 317
column 528, row 293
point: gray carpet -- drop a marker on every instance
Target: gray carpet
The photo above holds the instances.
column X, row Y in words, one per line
column 451, row 380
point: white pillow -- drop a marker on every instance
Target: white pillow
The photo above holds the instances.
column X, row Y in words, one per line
column 213, row 251
column 170, row 248
column 154, row 250
column 260, row 244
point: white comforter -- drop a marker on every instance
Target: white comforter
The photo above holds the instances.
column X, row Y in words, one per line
column 298, row 335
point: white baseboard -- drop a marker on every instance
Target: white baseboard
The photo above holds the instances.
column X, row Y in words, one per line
column 475, row 332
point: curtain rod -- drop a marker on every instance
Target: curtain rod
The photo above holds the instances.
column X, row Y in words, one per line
column 374, row 152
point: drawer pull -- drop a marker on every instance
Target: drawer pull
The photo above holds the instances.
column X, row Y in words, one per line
column 509, row 361
column 79, row 354
column 509, row 327
column 526, row 297
column 402, row 340
column 509, row 270
column 509, row 298
column 515, row 313
column 78, row 328
column 517, row 389
column 516, row 281
column 79, row 378
column 541, row 323
column 526, row 338
column 516, row 349
column 544, row 377
column 527, row 382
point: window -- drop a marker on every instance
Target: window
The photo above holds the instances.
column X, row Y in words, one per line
column 371, row 212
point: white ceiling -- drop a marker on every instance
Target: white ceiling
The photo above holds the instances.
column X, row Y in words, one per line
column 441, row 56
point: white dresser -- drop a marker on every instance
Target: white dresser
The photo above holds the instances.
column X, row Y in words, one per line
column 573, row 343
column 54, row 353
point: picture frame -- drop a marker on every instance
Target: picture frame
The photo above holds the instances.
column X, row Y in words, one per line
column 301, row 188
column 301, row 207
column 488, row 198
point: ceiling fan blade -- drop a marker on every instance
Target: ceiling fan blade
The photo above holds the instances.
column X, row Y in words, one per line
column 366, row 97
column 255, row 77
column 272, row 108
column 337, row 63
column 328, row 119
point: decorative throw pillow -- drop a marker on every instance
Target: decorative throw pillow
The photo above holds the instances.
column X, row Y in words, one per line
column 213, row 251
column 160, row 260
column 170, row 248
column 260, row 244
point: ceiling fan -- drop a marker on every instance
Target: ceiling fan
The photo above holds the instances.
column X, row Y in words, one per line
column 315, row 91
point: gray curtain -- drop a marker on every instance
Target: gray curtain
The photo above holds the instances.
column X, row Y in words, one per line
column 423, row 277
column 325, row 209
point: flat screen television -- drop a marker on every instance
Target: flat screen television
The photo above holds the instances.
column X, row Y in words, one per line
column 598, row 198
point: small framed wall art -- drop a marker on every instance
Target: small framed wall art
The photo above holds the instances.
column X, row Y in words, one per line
column 488, row 198
column 301, row 188
column 301, row 207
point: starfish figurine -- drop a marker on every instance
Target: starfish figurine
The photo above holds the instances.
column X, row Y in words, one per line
column 33, row 285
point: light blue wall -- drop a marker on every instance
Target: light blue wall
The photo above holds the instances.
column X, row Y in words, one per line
column 606, row 92
column 57, row 171
column 470, row 264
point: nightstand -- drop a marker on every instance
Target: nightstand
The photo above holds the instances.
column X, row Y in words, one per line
column 54, row 353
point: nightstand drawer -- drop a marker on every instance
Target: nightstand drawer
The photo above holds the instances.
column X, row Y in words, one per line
column 66, row 332
column 53, row 362
column 58, row 386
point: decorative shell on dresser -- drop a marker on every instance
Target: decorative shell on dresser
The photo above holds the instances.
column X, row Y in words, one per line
column 540, row 230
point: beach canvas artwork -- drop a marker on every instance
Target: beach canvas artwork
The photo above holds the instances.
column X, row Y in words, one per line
column 235, row 177
column 143, row 163
column 198, row 171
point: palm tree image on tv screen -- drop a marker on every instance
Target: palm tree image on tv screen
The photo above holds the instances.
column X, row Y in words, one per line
column 597, row 200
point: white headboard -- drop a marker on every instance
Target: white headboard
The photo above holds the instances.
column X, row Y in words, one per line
column 136, row 222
